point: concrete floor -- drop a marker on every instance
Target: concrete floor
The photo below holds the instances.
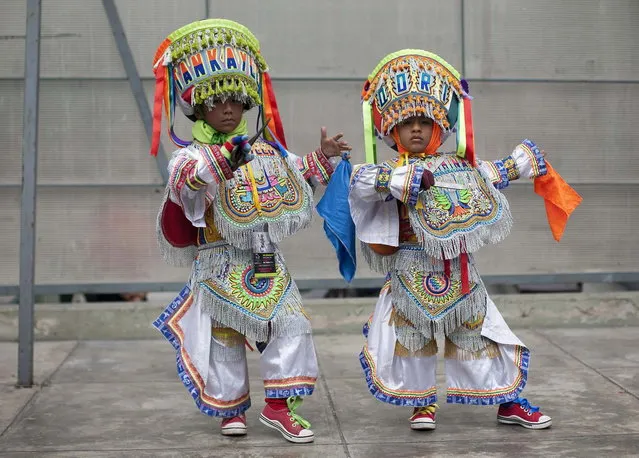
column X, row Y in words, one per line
column 123, row 398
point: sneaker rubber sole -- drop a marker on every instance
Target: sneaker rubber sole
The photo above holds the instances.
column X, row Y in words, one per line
column 524, row 423
column 276, row 425
column 234, row 431
column 422, row 425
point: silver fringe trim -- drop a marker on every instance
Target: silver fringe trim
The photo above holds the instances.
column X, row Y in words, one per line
column 285, row 323
column 214, row 260
column 474, row 303
column 469, row 342
column 240, row 236
column 288, row 321
column 410, row 338
column 377, row 262
column 178, row 257
column 471, row 306
column 220, row 352
column 473, row 241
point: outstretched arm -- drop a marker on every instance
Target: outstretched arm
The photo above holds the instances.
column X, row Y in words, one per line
column 526, row 161
column 317, row 167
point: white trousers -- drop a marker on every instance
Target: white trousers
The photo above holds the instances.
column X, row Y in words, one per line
column 410, row 379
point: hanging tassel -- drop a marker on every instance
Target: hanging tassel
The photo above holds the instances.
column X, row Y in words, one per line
column 171, row 116
column 271, row 111
column 465, row 133
column 370, row 146
column 160, row 85
column 168, row 92
column 447, row 267
column 469, row 129
column 460, row 136
column 463, row 259
column 463, row 265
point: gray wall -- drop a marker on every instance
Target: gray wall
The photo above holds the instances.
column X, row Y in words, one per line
column 561, row 73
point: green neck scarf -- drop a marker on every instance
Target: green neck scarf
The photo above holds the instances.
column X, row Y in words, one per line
column 204, row 133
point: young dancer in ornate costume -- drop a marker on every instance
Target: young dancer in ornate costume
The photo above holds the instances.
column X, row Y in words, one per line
column 421, row 217
column 229, row 201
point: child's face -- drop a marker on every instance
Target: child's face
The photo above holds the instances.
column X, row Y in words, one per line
column 415, row 133
column 223, row 117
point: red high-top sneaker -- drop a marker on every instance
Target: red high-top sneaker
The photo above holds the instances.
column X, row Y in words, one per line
column 280, row 415
column 234, row 426
column 520, row 412
column 423, row 417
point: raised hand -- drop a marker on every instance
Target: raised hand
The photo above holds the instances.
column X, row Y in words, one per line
column 333, row 146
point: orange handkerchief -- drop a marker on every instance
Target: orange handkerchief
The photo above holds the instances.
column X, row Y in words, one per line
column 560, row 199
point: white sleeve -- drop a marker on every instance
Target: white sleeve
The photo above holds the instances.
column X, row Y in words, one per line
column 373, row 208
column 194, row 175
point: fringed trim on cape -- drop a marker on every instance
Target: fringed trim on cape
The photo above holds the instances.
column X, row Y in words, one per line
column 462, row 241
column 407, row 336
column 280, row 227
column 377, row 262
column 223, row 353
column 468, row 336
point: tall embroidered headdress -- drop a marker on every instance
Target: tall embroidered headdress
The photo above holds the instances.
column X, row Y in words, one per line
column 211, row 60
column 412, row 82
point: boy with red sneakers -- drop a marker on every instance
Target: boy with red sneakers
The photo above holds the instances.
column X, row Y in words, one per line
column 228, row 203
column 420, row 217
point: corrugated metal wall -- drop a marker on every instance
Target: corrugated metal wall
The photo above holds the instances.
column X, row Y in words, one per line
column 561, row 73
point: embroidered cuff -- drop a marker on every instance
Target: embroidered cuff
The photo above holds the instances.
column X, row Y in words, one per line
column 530, row 161
column 497, row 173
column 317, row 164
column 216, row 164
column 226, row 150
